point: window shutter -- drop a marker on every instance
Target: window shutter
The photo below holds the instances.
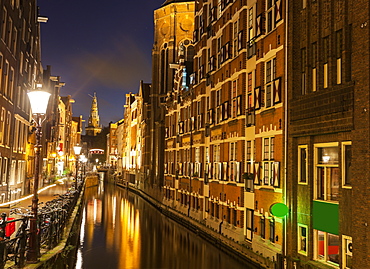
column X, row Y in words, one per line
column 257, row 98
column 180, row 168
column 240, row 40
column 225, row 171
column 166, row 132
column 278, row 10
column 259, row 25
column 256, row 174
column 239, row 105
column 219, row 172
column 276, row 174
column 277, row 91
column 237, row 171
column 210, row 116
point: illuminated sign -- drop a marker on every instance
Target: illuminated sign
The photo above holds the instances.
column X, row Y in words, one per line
column 96, row 151
column 279, row 210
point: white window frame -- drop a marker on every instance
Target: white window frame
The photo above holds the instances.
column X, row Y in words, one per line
column 345, row 250
column 270, row 10
column 268, row 163
column 300, row 238
column 326, row 256
column 344, row 144
column 234, row 101
column 326, row 167
column 300, row 147
column 269, row 82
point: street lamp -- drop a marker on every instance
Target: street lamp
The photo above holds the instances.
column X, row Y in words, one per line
column 39, row 101
column 77, row 150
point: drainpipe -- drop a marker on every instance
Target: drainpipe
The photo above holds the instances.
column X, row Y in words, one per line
column 285, row 132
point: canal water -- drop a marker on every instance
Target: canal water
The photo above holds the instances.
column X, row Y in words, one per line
column 121, row 230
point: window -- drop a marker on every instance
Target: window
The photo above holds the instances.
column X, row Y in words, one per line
column 218, row 106
column 3, row 26
column 268, row 161
column 338, row 52
column 249, row 223
column 303, row 71
column 272, row 230
column 250, row 23
column 302, row 239
column 270, row 15
column 234, row 101
column 314, row 69
column 8, row 122
column 4, row 171
column 302, row 165
column 263, row 227
column 233, row 163
column 326, row 60
column 327, row 172
column 326, row 247
column 235, row 39
column 5, row 78
column 346, row 164
column 11, row 83
column 347, row 251
column 269, row 78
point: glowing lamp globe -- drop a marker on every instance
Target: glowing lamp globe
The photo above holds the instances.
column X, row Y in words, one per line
column 39, row 101
column 77, row 149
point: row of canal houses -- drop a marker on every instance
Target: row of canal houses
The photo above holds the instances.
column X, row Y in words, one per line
column 250, row 124
column 21, row 71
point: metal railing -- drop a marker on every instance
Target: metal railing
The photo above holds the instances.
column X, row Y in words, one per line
column 51, row 221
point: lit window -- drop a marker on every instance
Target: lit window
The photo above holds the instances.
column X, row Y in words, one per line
column 302, row 239
column 268, row 161
column 327, row 173
column 347, row 251
column 326, row 247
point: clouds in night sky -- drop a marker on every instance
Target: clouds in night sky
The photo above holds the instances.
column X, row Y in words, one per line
column 96, row 46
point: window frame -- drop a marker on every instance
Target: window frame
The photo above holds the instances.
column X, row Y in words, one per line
column 299, row 239
column 318, row 165
column 300, row 147
column 268, row 160
column 344, row 250
column 343, row 170
column 325, row 258
column 270, row 76
column 270, row 10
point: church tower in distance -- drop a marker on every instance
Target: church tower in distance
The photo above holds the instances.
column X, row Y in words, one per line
column 93, row 127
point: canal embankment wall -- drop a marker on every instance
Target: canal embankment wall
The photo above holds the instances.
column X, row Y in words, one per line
column 239, row 251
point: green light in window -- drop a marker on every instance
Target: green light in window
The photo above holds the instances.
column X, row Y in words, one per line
column 279, row 210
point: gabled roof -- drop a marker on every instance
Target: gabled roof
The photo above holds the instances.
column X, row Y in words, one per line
column 167, row 2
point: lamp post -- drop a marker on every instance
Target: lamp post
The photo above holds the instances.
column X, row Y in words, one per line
column 39, row 101
column 77, row 150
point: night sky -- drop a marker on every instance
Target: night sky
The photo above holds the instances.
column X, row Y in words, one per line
column 98, row 46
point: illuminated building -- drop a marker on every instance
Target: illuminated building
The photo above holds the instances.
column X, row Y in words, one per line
column 328, row 134
column 173, row 27
column 20, row 70
column 93, row 126
column 112, row 146
column 134, row 146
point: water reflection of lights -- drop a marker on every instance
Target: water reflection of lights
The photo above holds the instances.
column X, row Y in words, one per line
column 130, row 227
column 79, row 260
